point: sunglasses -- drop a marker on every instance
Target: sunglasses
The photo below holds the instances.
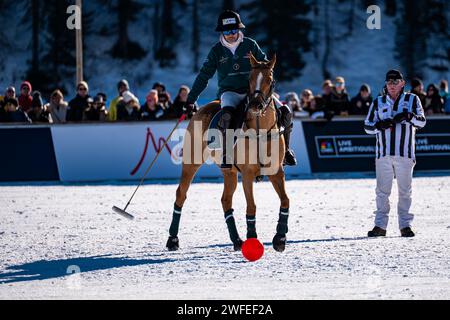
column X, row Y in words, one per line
column 393, row 82
column 340, row 84
column 82, row 89
column 229, row 32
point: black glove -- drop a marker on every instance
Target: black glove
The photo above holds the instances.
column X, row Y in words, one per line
column 403, row 116
column 384, row 124
column 188, row 108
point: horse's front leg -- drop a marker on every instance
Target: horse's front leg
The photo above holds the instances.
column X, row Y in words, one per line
column 247, row 182
column 188, row 173
column 278, row 182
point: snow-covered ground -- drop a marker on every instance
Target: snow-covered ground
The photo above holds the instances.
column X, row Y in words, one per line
column 47, row 231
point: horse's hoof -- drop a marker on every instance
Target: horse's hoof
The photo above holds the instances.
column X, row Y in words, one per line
column 173, row 244
column 279, row 242
column 237, row 245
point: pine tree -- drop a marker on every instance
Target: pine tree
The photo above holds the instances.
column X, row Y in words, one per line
column 166, row 53
column 281, row 27
column 423, row 37
column 57, row 63
column 410, row 38
column 125, row 48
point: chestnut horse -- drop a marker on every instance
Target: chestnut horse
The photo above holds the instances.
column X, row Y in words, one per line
column 260, row 116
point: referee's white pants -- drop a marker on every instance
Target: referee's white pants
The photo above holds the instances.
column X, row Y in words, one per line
column 387, row 168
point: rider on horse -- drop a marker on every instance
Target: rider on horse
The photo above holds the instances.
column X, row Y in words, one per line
column 230, row 58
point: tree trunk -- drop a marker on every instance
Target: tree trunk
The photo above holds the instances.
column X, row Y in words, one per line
column 35, row 27
column 195, row 35
column 325, row 72
column 123, row 11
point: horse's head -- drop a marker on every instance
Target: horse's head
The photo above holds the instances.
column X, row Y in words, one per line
column 261, row 84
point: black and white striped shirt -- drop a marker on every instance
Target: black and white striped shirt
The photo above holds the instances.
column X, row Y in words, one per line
column 400, row 139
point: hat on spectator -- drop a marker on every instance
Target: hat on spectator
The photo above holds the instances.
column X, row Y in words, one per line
column 98, row 99
column 365, row 87
column 340, row 79
column 103, row 95
column 11, row 88
column 128, row 96
column 394, row 74
column 159, row 84
column 123, row 82
column 84, row 84
column 26, row 84
column 292, row 96
column 37, row 100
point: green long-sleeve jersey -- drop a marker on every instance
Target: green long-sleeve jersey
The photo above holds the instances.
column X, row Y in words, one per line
column 232, row 70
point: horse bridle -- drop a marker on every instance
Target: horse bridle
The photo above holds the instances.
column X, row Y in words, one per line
column 258, row 98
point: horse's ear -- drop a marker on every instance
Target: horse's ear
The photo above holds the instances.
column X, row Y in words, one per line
column 253, row 60
column 273, row 61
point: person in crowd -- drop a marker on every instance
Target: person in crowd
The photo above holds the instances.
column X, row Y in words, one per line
column 38, row 112
column 327, row 87
column 104, row 97
column 57, row 107
column 25, row 98
column 305, row 100
column 163, row 97
column 97, row 110
column 10, row 93
column 128, row 108
column 180, row 101
column 433, row 101
column 360, row 104
column 152, row 109
column 293, row 102
column 13, row 113
column 417, row 89
column 445, row 95
column 122, row 86
column 339, row 103
column 79, row 104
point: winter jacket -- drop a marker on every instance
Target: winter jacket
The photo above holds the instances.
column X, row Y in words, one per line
column 359, row 105
column 40, row 116
column 18, row 116
column 338, row 103
column 58, row 113
column 433, row 104
column 158, row 114
column 93, row 114
column 77, row 106
column 232, row 70
column 127, row 113
column 112, row 112
column 25, row 102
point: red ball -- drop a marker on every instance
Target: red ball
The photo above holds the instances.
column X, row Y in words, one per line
column 252, row 249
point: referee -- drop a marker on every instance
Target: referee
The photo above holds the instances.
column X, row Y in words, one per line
column 394, row 119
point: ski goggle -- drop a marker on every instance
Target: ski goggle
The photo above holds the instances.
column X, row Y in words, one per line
column 393, row 82
column 229, row 32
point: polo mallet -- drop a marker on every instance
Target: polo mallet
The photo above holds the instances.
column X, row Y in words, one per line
column 124, row 212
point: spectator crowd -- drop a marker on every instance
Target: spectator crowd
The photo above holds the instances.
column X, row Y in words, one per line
column 29, row 107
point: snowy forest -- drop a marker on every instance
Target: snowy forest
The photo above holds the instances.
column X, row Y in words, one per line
column 167, row 41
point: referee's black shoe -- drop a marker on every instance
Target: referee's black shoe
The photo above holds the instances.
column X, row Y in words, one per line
column 407, row 232
column 376, row 232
